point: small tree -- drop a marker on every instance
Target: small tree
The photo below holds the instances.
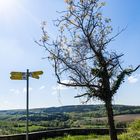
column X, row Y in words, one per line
column 80, row 57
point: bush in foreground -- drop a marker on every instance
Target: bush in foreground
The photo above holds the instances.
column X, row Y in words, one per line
column 133, row 131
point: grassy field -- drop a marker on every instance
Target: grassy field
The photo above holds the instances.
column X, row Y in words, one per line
column 89, row 137
column 127, row 118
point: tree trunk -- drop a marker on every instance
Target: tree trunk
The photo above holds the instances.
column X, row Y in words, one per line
column 112, row 130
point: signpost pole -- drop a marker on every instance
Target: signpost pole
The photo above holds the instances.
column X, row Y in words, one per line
column 27, row 105
column 25, row 76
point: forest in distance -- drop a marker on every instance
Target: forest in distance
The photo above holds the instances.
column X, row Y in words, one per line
column 75, row 116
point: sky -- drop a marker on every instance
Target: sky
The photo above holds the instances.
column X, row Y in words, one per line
column 20, row 26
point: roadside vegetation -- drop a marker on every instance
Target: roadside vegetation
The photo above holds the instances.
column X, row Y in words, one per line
column 89, row 137
column 133, row 133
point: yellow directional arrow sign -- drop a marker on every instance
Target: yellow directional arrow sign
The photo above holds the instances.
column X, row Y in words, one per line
column 35, row 74
column 23, row 75
column 16, row 73
column 18, row 76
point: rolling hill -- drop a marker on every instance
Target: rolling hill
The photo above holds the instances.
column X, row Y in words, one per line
column 74, row 116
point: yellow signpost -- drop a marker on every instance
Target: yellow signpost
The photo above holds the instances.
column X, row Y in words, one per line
column 18, row 76
column 36, row 74
column 16, row 73
column 25, row 76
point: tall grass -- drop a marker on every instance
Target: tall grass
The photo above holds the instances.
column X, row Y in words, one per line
column 88, row 137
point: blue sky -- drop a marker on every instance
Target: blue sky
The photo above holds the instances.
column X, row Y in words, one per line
column 20, row 22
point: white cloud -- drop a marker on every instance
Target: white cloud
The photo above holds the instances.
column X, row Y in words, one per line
column 67, row 81
column 133, row 79
column 42, row 87
column 54, row 92
column 24, row 89
column 58, row 88
column 15, row 91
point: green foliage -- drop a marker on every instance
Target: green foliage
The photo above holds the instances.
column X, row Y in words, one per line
column 120, row 78
column 133, row 131
column 135, row 126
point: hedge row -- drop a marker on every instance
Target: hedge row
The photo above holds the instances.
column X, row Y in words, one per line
column 56, row 133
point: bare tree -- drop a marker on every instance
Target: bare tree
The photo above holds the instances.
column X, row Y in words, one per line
column 80, row 56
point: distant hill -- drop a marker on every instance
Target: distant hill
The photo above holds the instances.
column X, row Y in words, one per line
column 118, row 109
column 100, row 109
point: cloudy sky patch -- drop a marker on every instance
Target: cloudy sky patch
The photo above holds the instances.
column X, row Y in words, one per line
column 42, row 87
column 30, row 89
column 133, row 79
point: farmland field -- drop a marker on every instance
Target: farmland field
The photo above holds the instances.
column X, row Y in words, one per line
column 123, row 118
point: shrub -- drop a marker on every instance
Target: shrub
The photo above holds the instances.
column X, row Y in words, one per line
column 134, row 126
column 133, row 131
